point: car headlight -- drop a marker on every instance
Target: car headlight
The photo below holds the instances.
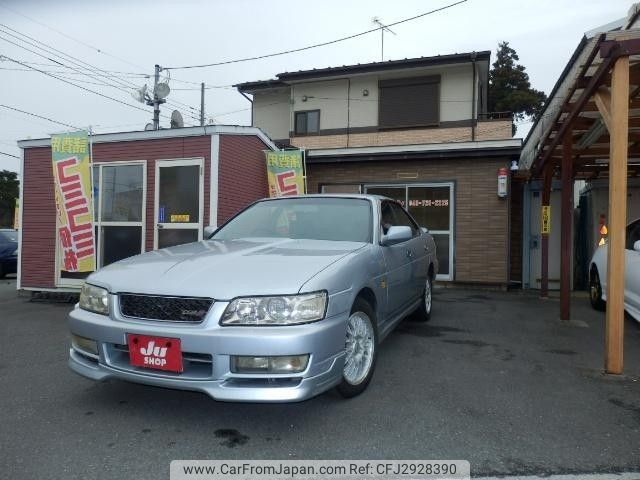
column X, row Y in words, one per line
column 280, row 310
column 94, row 299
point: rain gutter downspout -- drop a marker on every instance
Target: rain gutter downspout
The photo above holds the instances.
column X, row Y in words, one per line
column 348, row 109
column 250, row 101
column 473, row 98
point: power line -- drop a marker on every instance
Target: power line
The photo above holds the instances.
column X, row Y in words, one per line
column 96, row 71
column 59, row 63
column 50, row 50
column 174, row 103
column 68, row 36
column 33, row 42
column 78, row 86
column 9, row 155
column 117, row 73
column 39, row 116
column 323, row 44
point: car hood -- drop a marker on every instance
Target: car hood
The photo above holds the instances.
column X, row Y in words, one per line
column 224, row 269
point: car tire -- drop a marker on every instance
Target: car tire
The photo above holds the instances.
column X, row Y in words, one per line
column 595, row 291
column 423, row 313
column 361, row 346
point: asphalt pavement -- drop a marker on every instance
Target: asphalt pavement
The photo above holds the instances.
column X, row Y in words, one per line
column 494, row 378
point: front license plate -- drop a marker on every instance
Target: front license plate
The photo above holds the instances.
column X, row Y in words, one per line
column 159, row 353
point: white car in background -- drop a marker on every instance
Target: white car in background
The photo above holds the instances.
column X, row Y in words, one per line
column 598, row 273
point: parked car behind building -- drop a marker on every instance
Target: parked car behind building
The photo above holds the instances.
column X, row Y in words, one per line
column 598, row 273
column 8, row 251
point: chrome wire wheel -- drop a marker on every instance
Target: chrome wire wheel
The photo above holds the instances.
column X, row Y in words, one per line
column 428, row 300
column 360, row 345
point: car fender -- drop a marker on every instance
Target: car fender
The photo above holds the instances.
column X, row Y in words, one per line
column 599, row 260
column 347, row 277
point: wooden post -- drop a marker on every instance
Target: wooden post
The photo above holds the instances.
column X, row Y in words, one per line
column 544, row 237
column 619, row 135
column 567, row 226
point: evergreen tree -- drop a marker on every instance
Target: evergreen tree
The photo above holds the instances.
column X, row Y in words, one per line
column 9, row 187
column 510, row 89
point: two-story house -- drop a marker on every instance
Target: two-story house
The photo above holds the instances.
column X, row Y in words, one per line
column 416, row 130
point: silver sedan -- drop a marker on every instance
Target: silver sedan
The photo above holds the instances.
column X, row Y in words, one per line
column 291, row 297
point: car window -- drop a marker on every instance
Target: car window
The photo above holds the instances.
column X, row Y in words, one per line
column 386, row 217
column 337, row 219
column 633, row 234
column 8, row 236
column 402, row 218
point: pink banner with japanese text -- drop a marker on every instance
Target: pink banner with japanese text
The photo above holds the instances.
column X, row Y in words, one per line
column 74, row 201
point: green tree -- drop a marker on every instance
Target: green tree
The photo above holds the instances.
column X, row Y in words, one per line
column 9, row 191
column 510, row 89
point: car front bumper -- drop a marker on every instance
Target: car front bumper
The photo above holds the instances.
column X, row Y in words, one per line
column 9, row 264
column 207, row 350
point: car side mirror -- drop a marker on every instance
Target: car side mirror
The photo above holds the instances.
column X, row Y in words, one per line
column 397, row 234
column 208, row 231
column 636, row 246
column 424, row 229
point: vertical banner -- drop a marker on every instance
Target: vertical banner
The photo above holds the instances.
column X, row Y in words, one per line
column 16, row 215
column 74, row 202
column 545, row 228
column 285, row 173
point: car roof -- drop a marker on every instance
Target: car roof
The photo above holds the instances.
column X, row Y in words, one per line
column 361, row 196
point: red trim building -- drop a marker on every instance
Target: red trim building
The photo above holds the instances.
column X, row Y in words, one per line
column 140, row 180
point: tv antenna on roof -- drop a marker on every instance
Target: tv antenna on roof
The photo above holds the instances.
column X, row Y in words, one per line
column 383, row 27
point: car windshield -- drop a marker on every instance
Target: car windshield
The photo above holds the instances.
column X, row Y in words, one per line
column 8, row 236
column 337, row 219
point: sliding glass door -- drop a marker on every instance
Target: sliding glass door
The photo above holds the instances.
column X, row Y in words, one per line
column 432, row 205
column 119, row 202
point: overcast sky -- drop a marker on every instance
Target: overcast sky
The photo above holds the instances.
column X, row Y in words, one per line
column 132, row 36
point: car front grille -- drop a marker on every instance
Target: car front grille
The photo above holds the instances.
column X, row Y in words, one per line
column 167, row 309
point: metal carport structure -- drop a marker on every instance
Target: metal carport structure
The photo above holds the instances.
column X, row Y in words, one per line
column 591, row 128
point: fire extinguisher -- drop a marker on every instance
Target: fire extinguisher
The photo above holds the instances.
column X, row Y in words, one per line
column 503, row 176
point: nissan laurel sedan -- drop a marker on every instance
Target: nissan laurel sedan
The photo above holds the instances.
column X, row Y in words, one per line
column 289, row 298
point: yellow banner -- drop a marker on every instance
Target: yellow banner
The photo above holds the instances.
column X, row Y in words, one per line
column 546, row 220
column 285, row 173
column 16, row 215
column 74, row 201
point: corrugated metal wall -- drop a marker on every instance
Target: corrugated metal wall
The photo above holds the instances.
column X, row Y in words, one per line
column 242, row 174
column 242, row 179
column 38, row 220
column 160, row 149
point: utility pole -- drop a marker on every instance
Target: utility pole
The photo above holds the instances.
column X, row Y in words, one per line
column 156, row 100
column 202, row 104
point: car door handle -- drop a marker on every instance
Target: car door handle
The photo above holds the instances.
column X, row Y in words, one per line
column 409, row 254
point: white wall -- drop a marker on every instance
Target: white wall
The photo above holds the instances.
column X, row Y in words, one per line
column 271, row 113
column 456, row 87
column 329, row 97
column 361, row 110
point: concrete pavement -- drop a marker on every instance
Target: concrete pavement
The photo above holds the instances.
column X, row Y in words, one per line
column 494, row 378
